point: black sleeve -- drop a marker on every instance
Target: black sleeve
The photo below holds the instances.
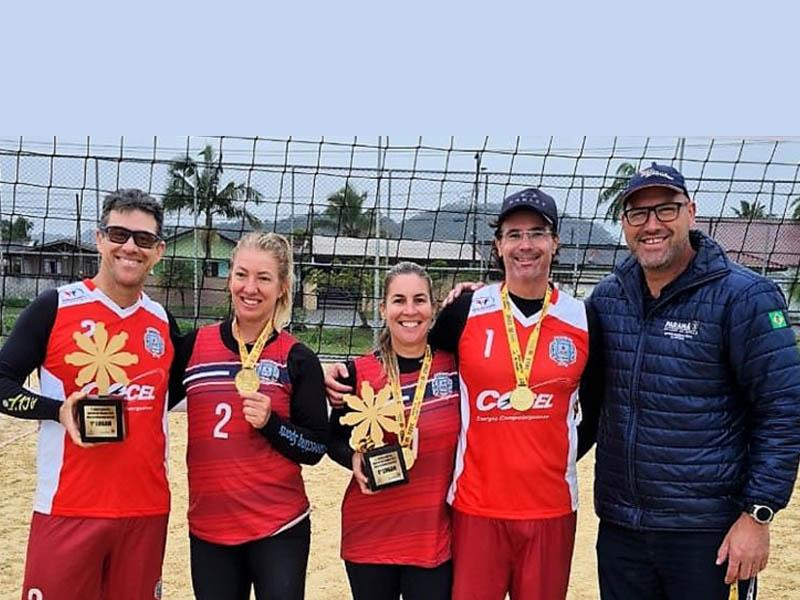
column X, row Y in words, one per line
column 184, row 344
column 304, row 437
column 24, row 352
column 339, row 445
column 450, row 324
column 592, row 384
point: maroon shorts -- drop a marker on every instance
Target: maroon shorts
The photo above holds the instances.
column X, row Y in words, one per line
column 94, row 559
column 528, row 558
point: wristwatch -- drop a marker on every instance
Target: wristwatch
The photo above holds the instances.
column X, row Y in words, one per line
column 761, row 513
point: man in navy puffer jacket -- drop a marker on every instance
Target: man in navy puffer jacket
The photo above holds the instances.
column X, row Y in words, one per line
column 699, row 434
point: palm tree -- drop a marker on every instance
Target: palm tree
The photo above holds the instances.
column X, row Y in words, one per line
column 747, row 210
column 613, row 193
column 189, row 178
column 16, row 230
column 796, row 208
column 345, row 213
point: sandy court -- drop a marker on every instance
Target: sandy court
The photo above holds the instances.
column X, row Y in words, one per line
column 325, row 484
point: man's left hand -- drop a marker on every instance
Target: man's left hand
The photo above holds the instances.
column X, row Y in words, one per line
column 746, row 548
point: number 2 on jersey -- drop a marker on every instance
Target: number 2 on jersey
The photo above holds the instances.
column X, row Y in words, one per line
column 224, row 411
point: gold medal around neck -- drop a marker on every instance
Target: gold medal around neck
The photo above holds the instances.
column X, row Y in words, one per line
column 522, row 398
column 247, row 381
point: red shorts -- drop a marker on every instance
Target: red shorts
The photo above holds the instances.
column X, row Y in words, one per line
column 530, row 559
column 94, row 559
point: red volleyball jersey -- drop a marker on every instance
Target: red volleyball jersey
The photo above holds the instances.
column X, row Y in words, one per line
column 519, row 464
column 240, row 488
column 97, row 346
column 409, row 524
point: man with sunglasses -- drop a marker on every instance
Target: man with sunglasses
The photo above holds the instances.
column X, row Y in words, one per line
column 699, row 436
column 100, row 513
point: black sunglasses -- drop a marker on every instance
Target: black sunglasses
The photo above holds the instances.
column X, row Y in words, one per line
column 120, row 235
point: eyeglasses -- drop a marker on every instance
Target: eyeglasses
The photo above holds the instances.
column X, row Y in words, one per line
column 120, row 235
column 665, row 213
column 515, row 236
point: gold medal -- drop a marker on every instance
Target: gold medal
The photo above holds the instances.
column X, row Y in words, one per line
column 408, row 457
column 522, row 398
column 247, row 381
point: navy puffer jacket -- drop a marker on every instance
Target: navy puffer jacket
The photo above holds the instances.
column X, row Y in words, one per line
column 701, row 404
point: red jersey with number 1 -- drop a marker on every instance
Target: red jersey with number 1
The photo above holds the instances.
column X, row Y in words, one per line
column 519, row 464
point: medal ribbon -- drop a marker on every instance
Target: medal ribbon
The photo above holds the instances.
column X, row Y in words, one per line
column 407, row 427
column 522, row 368
column 250, row 359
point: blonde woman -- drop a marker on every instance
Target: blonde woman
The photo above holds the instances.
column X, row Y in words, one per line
column 256, row 412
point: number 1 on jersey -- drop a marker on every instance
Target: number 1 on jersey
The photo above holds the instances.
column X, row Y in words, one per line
column 487, row 350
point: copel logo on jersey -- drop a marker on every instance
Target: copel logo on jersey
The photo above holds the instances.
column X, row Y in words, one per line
column 102, row 360
column 491, row 399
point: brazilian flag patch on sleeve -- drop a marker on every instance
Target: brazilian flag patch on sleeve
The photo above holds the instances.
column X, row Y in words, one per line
column 777, row 319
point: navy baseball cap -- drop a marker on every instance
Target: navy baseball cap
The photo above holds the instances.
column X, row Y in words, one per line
column 530, row 199
column 655, row 176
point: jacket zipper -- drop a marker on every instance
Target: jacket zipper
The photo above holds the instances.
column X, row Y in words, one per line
column 632, row 429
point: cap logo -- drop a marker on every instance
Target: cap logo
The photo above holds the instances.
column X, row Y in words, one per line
column 651, row 172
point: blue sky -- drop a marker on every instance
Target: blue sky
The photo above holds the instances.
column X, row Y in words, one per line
column 340, row 69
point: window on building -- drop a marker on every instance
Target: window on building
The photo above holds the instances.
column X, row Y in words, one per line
column 211, row 268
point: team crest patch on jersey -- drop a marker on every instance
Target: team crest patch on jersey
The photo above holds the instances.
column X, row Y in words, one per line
column 72, row 295
column 154, row 343
column 269, row 370
column 483, row 304
column 562, row 351
column 441, row 385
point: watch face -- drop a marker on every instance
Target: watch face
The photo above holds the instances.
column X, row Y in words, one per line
column 762, row 514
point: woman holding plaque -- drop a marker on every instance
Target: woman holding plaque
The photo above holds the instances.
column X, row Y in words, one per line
column 399, row 437
column 256, row 412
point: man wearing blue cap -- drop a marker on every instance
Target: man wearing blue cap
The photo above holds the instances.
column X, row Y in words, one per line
column 699, row 436
column 522, row 346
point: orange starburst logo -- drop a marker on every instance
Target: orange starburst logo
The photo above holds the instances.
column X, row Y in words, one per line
column 102, row 359
column 371, row 415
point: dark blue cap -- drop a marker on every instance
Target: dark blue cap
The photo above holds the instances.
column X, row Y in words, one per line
column 530, row 199
column 656, row 176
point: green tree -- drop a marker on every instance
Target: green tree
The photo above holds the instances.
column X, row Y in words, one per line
column 796, row 208
column 187, row 176
column 345, row 213
column 748, row 210
column 613, row 193
column 349, row 276
column 16, row 230
column 177, row 274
